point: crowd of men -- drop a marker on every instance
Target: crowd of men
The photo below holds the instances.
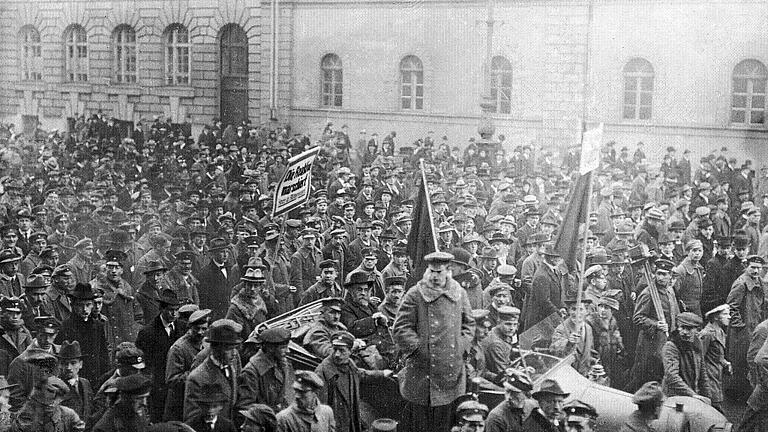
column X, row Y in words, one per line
column 136, row 273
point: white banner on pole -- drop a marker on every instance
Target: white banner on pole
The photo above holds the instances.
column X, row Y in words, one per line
column 294, row 188
column 590, row 150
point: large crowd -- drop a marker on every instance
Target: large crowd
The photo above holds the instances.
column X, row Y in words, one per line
column 146, row 285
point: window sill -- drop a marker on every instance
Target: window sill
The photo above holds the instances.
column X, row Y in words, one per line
column 744, row 127
column 124, row 89
column 71, row 87
column 176, row 91
column 30, row 85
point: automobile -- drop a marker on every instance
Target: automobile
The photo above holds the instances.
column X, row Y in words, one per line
column 381, row 398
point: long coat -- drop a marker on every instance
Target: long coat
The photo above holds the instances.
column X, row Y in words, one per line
column 304, row 267
column 318, row 338
column 748, row 308
column 342, row 392
column 683, row 368
column 545, row 297
column 155, row 342
column 93, row 342
column 80, row 398
column 216, row 289
column 208, row 373
column 178, row 365
column 713, row 352
column 715, row 286
column 648, row 364
column 123, row 312
column 62, row 308
column 689, row 286
column 262, row 381
column 433, row 330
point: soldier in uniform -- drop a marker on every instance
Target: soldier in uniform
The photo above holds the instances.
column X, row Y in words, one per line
column 327, row 286
column 268, row 376
column 44, row 412
column 318, row 338
column 62, row 283
column 499, row 347
column 580, row 417
column 470, row 416
column 131, row 412
column 306, row 413
column 34, row 300
column 15, row 337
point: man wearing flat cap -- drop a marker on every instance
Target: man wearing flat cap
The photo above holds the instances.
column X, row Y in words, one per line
column 155, row 339
column 433, row 330
column 649, row 400
column 549, row 416
column 268, row 375
column 747, row 303
column 342, row 382
column 82, row 263
column 131, row 411
column 181, row 356
column 683, row 364
column 306, row 413
column 508, row 416
column 221, row 366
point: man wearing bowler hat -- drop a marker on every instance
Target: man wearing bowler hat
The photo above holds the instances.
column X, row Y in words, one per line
column 268, row 375
column 216, row 279
column 547, row 289
column 306, row 413
column 155, row 339
column 148, row 293
column 179, row 362
column 221, row 367
column 435, row 313
column 88, row 331
column 549, row 416
column 80, row 396
column 358, row 313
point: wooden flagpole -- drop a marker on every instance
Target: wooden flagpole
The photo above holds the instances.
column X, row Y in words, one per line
column 429, row 203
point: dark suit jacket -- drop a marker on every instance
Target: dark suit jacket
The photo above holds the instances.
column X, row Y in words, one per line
column 215, row 290
column 82, row 400
column 222, row 425
column 155, row 343
column 545, row 297
column 208, row 373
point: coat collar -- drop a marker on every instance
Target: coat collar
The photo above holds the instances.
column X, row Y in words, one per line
column 689, row 267
column 431, row 294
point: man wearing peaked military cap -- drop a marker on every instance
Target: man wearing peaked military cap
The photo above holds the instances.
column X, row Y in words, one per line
column 307, row 385
column 327, row 286
column 342, row 382
column 649, row 400
column 318, row 337
column 500, row 345
column 263, row 378
column 131, row 411
column 434, row 379
column 470, row 416
column 395, row 288
column 579, row 417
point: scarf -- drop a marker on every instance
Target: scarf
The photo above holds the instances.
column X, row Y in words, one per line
column 251, row 309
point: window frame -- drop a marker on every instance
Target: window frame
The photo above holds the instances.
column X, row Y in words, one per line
column 122, row 52
column 759, row 72
column 641, row 70
column 331, row 65
column 30, row 66
column 411, row 67
column 173, row 49
column 76, row 54
column 498, row 75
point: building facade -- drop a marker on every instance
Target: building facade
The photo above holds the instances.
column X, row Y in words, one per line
column 665, row 72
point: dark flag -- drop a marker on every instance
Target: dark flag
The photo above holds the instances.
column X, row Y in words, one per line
column 421, row 239
column 577, row 212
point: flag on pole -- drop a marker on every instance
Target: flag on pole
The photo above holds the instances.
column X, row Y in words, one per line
column 576, row 213
column 421, row 238
column 591, row 142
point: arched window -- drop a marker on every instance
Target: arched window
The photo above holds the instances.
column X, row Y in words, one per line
column 411, row 83
column 332, row 80
column 748, row 106
column 501, row 84
column 124, row 54
column 30, row 54
column 75, row 54
column 638, row 89
column 177, row 55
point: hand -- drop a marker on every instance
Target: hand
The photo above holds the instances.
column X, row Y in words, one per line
column 380, row 318
column 662, row 326
column 292, row 289
column 387, row 373
column 375, row 301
